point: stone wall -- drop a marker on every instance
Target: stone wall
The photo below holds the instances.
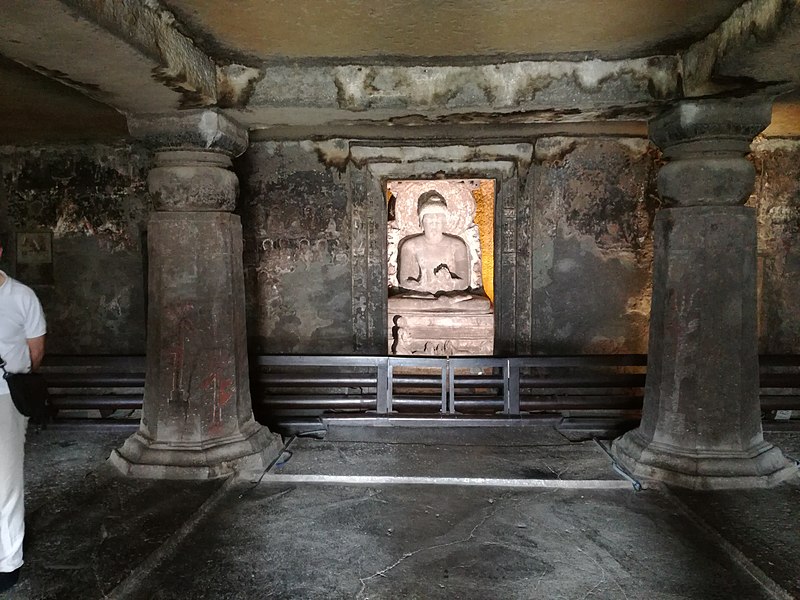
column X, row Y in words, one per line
column 93, row 201
column 295, row 216
column 588, row 237
column 590, row 204
column 777, row 199
column 594, row 201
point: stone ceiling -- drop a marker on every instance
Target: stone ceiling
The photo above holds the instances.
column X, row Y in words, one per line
column 450, row 30
column 74, row 69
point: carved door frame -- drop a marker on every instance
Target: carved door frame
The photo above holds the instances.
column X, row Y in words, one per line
column 368, row 171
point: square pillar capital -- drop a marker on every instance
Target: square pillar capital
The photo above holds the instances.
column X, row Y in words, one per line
column 203, row 129
column 706, row 141
column 703, row 126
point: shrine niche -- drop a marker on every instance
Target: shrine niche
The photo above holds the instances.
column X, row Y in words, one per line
column 437, row 302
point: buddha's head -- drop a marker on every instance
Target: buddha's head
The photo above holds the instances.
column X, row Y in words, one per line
column 432, row 211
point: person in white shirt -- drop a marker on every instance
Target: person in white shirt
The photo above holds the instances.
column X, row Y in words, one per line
column 22, row 335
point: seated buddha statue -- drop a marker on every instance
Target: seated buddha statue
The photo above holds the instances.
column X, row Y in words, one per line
column 437, row 304
column 433, row 267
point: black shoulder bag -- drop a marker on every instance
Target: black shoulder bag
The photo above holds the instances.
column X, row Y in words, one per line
column 29, row 393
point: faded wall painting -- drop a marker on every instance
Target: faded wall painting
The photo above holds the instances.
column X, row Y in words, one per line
column 777, row 201
column 295, row 218
column 593, row 202
column 73, row 222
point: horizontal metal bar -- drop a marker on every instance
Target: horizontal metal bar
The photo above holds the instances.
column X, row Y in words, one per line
column 91, row 392
column 565, row 392
column 472, row 362
column 94, row 379
column 409, row 361
column 94, row 361
column 121, row 425
column 571, row 403
column 580, row 360
column 779, row 360
column 286, row 379
column 327, row 379
column 440, row 420
column 327, row 402
column 274, row 402
column 527, row 403
column 780, row 403
column 417, row 380
column 292, row 360
column 105, row 361
column 612, row 380
column 482, row 403
column 588, row 360
column 780, row 380
column 318, row 380
column 776, row 426
column 107, row 402
column 478, row 381
column 577, row 402
column 417, row 400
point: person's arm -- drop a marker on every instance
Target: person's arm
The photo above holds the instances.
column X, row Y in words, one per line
column 462, row 267
column 36, row 347
column 409, row 273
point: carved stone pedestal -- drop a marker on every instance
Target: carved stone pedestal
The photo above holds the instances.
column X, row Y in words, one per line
column 701, row 421
column 197, row 419
column 442, row 334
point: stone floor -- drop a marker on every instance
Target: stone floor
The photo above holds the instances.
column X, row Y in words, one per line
column 583, row 533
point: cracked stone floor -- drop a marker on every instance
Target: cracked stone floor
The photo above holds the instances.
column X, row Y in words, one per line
column 93, row 535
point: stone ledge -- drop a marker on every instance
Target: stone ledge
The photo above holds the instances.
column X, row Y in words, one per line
column 520, row 85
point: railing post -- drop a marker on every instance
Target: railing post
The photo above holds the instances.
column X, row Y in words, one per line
column 448, row 386
column 511, row 388
column 389, row 383
column 384, row 398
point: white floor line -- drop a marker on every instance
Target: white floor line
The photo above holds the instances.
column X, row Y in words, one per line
column 580, row 484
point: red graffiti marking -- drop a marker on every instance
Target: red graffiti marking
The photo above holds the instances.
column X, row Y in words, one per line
column 179, row 316
column 222, row 389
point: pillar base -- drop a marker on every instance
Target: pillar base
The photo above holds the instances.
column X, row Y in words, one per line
column 248, row 453
column 761, row 466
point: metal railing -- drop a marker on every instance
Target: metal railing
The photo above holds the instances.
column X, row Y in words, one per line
column 291, row 385
column 473, row 383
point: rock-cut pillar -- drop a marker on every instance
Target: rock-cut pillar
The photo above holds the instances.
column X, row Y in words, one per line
column 701, row 420
column 197, row 420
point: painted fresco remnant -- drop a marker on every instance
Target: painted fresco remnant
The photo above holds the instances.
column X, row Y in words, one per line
column 295, row 215
column 99, row 191
column 35, row 257
column 594, row 201
column 93, row 201
column 777, row 201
